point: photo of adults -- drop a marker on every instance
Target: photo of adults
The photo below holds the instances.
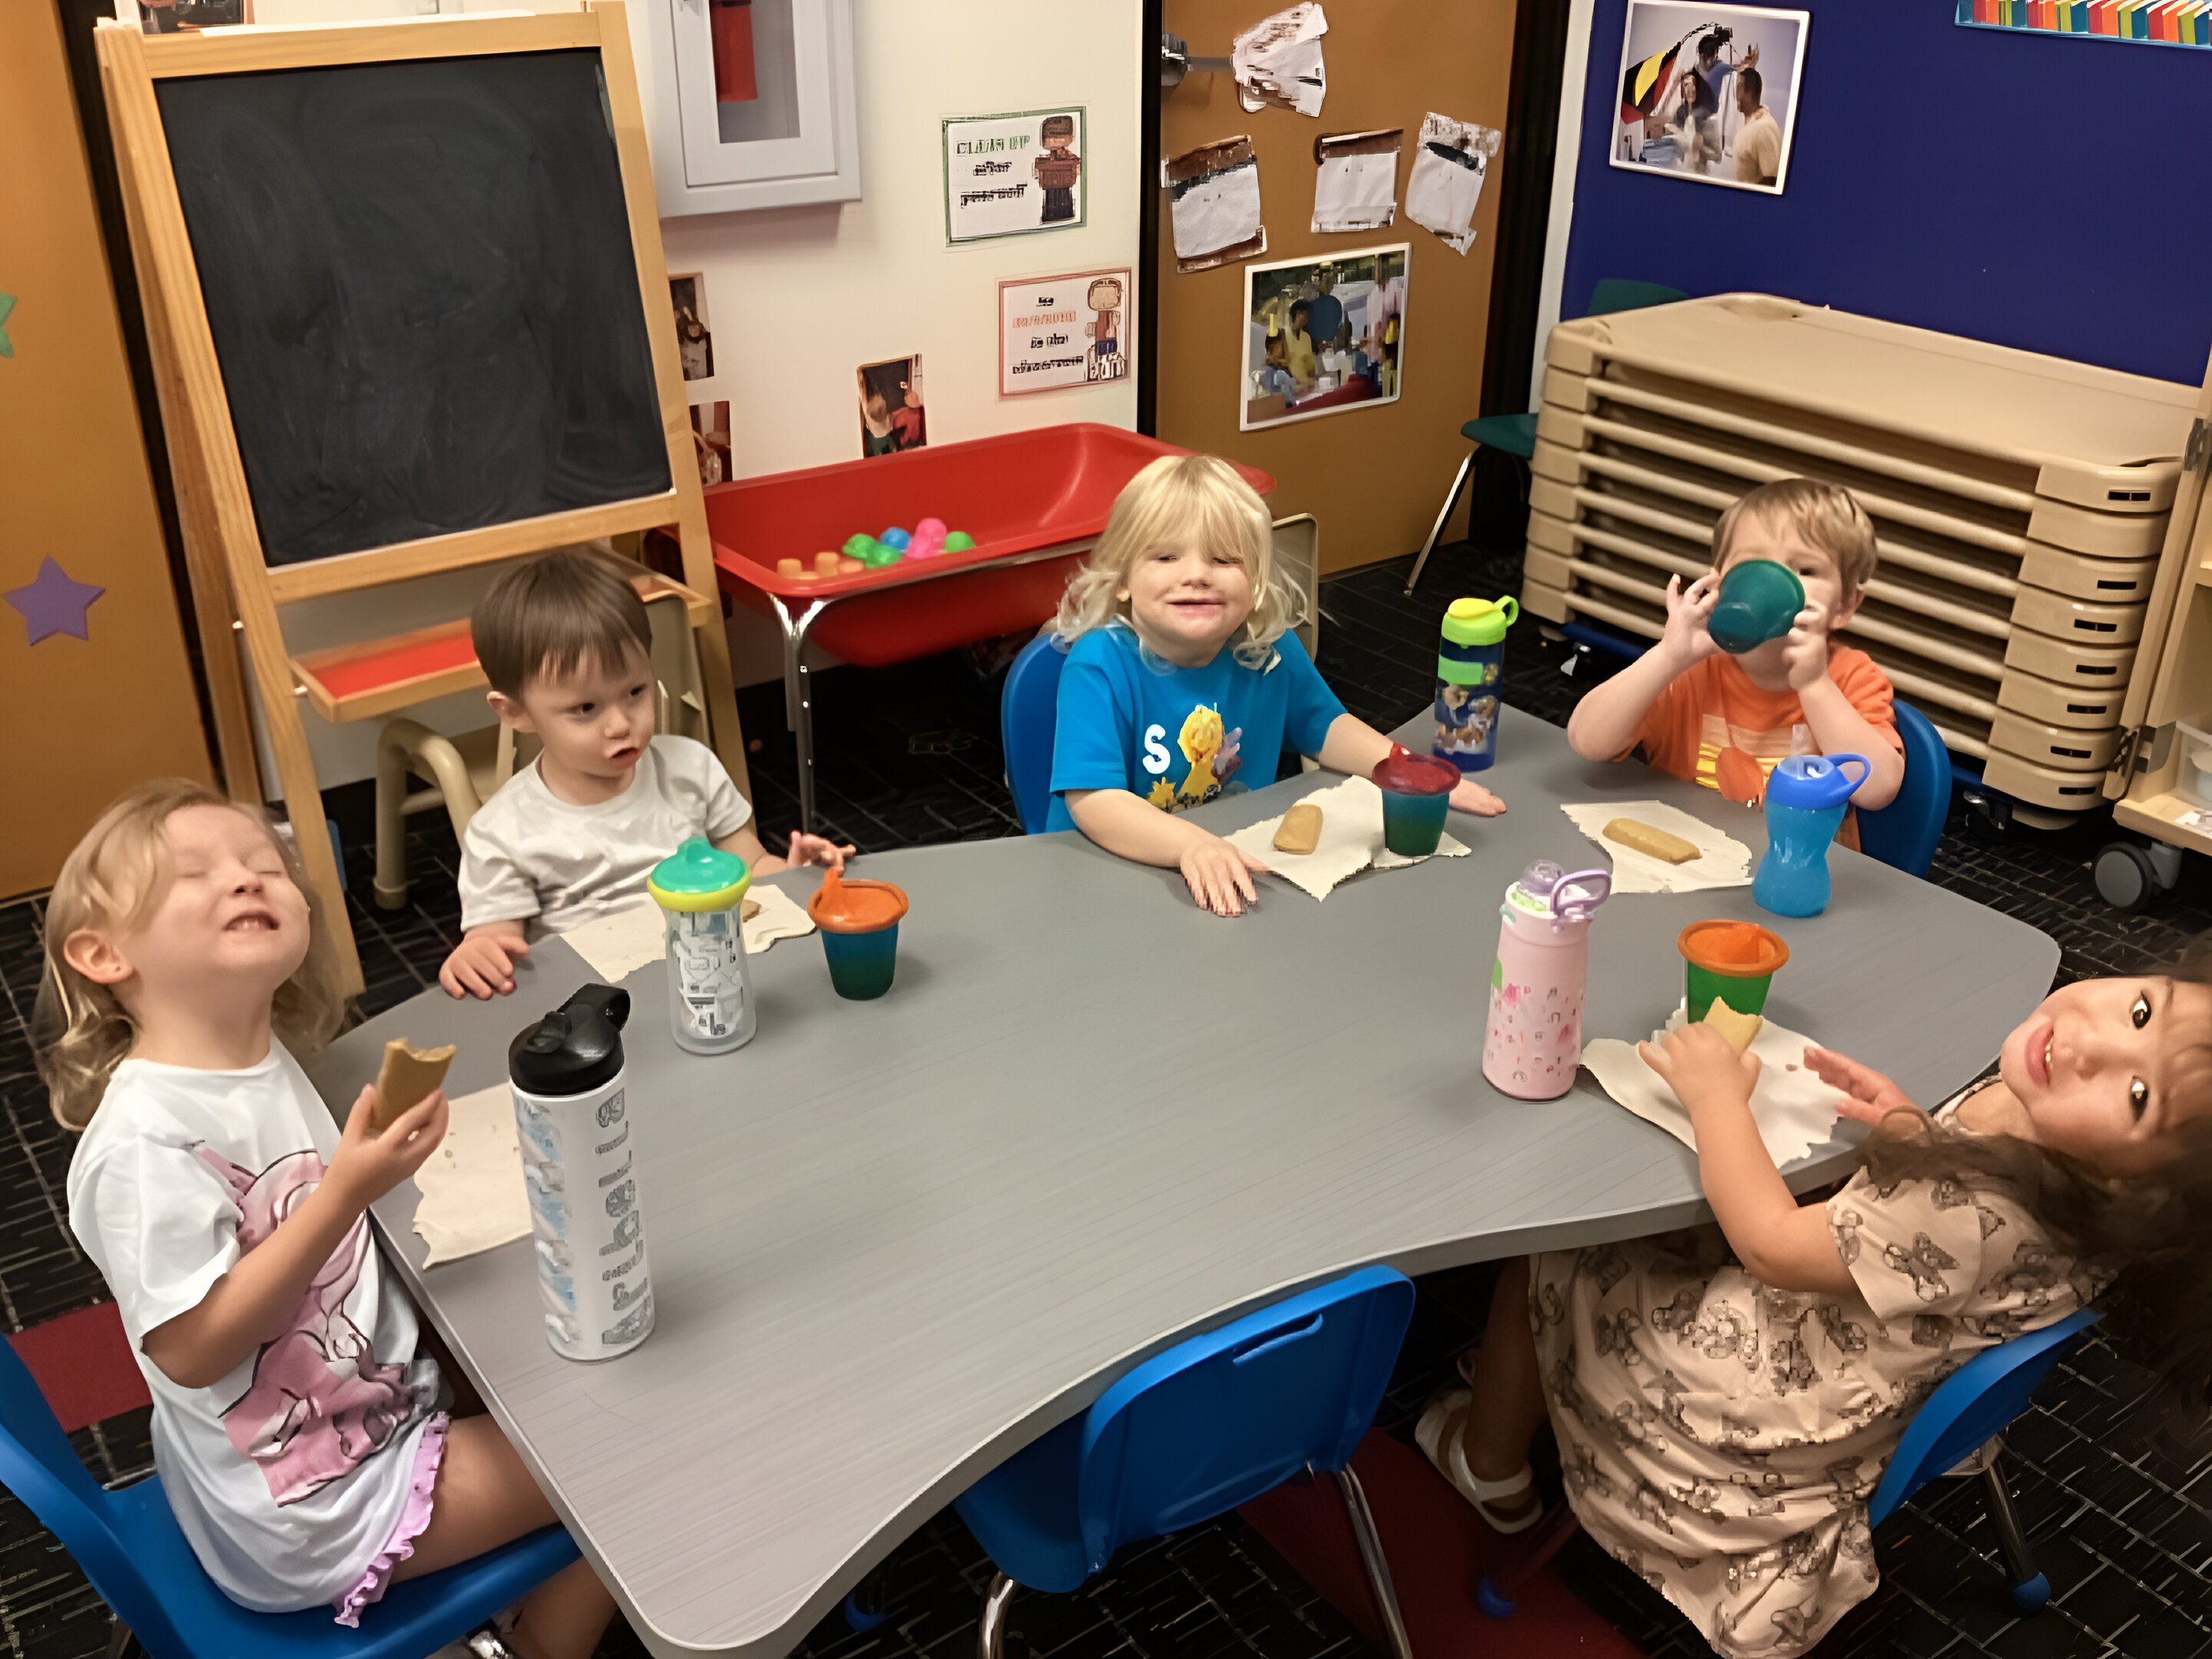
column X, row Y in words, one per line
column 1710, row 93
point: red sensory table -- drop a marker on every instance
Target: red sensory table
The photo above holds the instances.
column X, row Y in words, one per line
column 1034, row 502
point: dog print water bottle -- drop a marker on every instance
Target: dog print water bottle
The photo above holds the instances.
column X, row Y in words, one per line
column 1469, row 658
column 1537, row 980
column 572, row 1115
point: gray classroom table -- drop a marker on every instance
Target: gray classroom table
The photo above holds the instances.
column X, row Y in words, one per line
column 892, row 1243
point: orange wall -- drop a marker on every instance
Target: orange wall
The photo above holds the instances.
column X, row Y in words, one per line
column 86, row 717
column 1373, row 477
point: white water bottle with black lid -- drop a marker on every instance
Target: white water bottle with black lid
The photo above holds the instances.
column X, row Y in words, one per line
column 579, row 1160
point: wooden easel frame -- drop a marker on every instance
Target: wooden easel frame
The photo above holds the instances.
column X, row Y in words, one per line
column 222, row 537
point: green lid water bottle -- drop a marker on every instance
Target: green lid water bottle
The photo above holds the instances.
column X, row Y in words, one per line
column 1468, row 660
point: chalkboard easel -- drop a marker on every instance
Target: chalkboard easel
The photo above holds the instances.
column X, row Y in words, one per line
column 407, row 302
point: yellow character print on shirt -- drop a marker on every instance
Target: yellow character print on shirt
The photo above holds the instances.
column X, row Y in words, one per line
column 1201, row 741
column 1162, row 795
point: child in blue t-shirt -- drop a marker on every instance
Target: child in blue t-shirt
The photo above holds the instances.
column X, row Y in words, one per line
column 1182, row 681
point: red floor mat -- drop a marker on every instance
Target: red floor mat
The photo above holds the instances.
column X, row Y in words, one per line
column 83, row 1366
column 1438, row 1547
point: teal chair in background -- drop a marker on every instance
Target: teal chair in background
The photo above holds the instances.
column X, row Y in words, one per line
column 1516, row 434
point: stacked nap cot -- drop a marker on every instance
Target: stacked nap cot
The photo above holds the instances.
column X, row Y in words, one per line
column 2020, row 501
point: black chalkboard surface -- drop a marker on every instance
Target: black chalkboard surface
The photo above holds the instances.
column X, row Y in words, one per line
column 420, row 286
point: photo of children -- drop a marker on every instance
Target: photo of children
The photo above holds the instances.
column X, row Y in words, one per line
column 891, row 418
column 1323, row 336
column 694, row 346
column 1710, row 93
column 710, row 438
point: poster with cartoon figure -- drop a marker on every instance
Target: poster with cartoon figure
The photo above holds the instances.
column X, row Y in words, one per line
column 1063, row 331
column 1006, row 175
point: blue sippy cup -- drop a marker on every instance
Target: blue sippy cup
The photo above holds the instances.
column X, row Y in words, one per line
column 1807, row 797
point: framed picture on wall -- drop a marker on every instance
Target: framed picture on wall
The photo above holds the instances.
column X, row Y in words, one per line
column 1323, row 336
column 1709, row 92
column 1006, row 175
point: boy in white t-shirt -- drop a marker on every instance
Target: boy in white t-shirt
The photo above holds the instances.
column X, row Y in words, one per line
column 566, row 645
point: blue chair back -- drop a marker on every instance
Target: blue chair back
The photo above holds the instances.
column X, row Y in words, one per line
column 1028, row 715
column 1217, row 1420
column 1615, row 293
column 1975, row 1404
column 128, row 1544
column 1904, row 833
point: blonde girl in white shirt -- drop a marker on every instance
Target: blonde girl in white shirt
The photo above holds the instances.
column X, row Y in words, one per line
column 296, row 1429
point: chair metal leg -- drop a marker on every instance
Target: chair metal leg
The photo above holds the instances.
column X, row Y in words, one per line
column 1377, row 1564
column 798, row 697
column 990, row 1636
column 1451, row 500
column 1498, row 1595
column 2030, row 1588
column 122, row 1645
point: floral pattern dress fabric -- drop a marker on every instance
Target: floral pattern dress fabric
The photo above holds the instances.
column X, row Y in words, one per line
column 1722, row 1438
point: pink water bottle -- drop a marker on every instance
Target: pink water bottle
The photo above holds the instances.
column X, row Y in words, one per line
column 1537, row 982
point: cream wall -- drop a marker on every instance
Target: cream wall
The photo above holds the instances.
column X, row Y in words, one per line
column 798, row 298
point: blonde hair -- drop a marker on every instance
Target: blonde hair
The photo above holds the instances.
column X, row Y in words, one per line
column 1180, row 498
column 81, row 1030
column 556, row 613
column 1826, row 516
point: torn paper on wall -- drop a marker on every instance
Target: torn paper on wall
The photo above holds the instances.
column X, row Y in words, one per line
column 1213, row 196
column 1278, row 61
column 1356, row 187
column 1449, row 169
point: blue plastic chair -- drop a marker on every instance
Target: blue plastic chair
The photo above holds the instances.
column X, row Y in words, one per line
column 1190, row 1434
column 128, row 1545
column 1971, row 1409
column 1904, row 834
column 1029, row 715
column 1975, row 1405
column 1516, row 434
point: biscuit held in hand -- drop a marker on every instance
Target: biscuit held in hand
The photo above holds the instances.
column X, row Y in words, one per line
column 1740, row 1029
column 407, row 1076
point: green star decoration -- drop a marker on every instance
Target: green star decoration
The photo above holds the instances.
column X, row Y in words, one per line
column 7, row 305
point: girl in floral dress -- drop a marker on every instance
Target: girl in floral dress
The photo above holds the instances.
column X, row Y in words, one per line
column 1726, row 1398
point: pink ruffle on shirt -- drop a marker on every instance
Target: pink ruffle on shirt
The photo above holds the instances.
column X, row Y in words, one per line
column 429, row 1450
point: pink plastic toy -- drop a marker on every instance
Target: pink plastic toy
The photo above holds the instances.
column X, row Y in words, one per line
column 1536, row 986
column 930, row 530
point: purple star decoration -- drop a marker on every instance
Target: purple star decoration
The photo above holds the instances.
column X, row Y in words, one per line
column 54, row 604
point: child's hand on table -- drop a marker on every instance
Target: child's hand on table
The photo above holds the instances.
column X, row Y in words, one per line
column 1688, row 610
column 818, row 849
column 1868, row 1096
column 483, row 964
column 1220, row 875
column 369, row 1162
column 1468, row 796
column 1697, row 1063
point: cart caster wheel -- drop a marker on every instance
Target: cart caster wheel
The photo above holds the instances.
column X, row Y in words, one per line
column 2126, row 876
column 1994, row 811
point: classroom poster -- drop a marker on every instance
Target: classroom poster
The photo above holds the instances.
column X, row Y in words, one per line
column 1005, row 175
column 1063, row 331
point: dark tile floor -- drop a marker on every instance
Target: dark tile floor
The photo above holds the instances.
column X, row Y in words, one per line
column 2123, row 1518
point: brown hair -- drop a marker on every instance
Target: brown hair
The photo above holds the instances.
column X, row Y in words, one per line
column 2155, row 1232
column 562, row 610
column 80, row 1030
column 1826, row 516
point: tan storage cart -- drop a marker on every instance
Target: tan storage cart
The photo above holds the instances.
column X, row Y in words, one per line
column 2156, row 783
column 2022, row 502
